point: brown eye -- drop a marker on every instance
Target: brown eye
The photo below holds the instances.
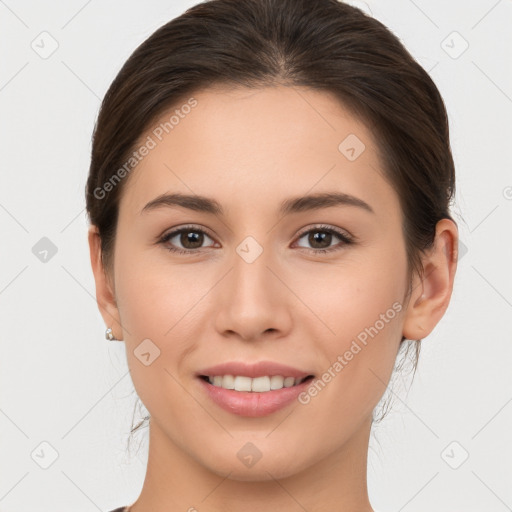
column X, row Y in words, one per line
column 190, row 239
column 321, row 237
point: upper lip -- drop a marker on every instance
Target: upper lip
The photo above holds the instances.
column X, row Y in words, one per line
column 259, row 369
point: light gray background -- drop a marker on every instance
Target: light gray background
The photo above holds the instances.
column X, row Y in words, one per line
column 62, row 383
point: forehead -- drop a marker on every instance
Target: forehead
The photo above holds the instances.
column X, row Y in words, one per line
column 257, row 146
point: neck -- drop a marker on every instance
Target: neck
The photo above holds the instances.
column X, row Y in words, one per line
column 176, row 481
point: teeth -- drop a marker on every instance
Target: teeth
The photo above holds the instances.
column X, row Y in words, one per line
column 241, row 383
column 289, row 382
column 260, row 384
column 276, row 382
column 227, row 382
column 257, row 385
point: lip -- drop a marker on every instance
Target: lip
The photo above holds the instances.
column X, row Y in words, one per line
column 259, row 369
column 252, row 404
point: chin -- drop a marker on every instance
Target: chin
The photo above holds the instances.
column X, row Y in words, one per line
column 271, row 468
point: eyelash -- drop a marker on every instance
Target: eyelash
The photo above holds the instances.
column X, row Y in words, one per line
column 346, row 239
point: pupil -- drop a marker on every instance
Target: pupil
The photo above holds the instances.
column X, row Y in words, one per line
column 193, row 237
column 322, row 236
column 196, row 238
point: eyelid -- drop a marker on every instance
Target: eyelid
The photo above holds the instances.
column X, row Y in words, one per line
column 326, row 227
column 178, row 229
column 345, row 237
column 301, row 232
column 172, row 232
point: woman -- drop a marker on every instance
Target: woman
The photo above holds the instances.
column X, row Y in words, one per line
column 269, row 198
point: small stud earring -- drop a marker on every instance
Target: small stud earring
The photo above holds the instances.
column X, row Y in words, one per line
column 109, row 335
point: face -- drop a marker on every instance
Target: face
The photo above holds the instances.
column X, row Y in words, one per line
column 317, row 287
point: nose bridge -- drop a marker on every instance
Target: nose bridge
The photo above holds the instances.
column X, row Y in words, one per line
column 252, row 279
column 253, row 298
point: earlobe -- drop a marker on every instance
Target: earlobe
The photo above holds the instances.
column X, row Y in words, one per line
column 431, row 295
column 105, row 296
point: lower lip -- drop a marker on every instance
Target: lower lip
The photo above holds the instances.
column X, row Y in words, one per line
column 253, row 404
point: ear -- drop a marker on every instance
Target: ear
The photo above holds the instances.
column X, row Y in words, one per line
column 431, row 294
column 105, row 293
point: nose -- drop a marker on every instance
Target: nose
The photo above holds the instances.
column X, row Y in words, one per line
column 253, row 301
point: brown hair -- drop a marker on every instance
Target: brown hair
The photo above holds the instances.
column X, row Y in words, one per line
column 321, row 44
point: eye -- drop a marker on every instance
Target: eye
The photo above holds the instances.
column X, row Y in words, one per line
column 323, row 236
column 190, row 237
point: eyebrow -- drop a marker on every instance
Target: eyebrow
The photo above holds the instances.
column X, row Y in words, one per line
column 289, row 206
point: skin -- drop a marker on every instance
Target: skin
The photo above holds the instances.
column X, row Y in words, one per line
column 250, row 150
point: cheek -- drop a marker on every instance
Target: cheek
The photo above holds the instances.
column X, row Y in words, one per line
column 150, row 289
column 346, row 298
column 358, row 316
column 157, row 310
column 358, row 359
column 162, row 303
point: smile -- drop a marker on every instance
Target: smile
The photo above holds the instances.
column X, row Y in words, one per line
column 255, row 385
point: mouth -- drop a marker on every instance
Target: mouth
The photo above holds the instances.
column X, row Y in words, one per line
column 253, row 397
column 262, row 384
column 253, row 389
